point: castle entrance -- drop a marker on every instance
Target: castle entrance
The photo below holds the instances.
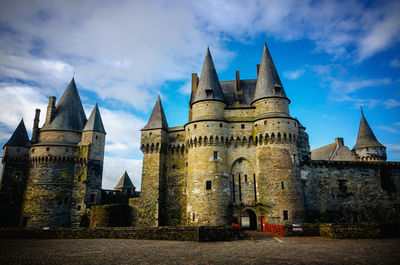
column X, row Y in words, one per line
column 249, row 220
column 243, row 181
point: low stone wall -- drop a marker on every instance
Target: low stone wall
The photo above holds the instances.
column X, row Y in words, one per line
column 113, row 215
column 184, row 233
column 350, row 231
column 344, row 231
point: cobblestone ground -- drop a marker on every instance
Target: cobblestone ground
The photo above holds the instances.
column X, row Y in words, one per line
column 309, row 250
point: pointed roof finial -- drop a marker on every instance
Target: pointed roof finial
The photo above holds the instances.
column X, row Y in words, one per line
column 366, row 137
column 268, row 82
column 209, row 87
column 362, row 112
column 157, row 118
column 19, row 137
column 95, row 122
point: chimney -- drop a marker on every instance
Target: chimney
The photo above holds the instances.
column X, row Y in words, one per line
column 339, row 141
column 195, row 82
column 258, row 69
column 237, row 83
column 35, row 129
column 50, row 110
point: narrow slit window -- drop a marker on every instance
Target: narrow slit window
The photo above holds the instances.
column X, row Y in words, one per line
column 215, row 154
column 245, row 178
column 208, row 185
column 282, row 185
column 285, row 215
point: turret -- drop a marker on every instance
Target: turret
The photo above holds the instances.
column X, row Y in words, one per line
column 154, row 140
column 208, row 102
column 94, row 134
column 15, row 175
column 367, row 147
column 207, row 181
column 125, row 185
column 277, row 153
column 269, row 96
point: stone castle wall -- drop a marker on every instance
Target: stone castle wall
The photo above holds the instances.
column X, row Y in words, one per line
column 352, row 191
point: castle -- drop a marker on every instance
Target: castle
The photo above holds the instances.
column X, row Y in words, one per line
column 240, row 158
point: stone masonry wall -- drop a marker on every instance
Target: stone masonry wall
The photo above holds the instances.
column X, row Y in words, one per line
column 352, row 191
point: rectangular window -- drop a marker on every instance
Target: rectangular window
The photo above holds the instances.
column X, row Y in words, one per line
column 242, row 126
column 66, row 149
column 194, row 216
column 78, row 207
column 208, row 185
column 282, row 185
column 285, row 215
column 215, row 155
column 195, row 126
column 245, row 178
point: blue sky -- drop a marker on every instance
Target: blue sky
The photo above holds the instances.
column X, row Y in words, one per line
column 332, row 56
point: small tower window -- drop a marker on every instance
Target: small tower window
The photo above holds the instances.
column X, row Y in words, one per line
column 245, row 178
column 78, row 207
column 92, row 198
column 265, row 122
column 208, row 185
column 282, row 185
column 47, row 148
column 367, row 149
column 242, row 126
column 220, row 125
column 195, row 126
column 150, row 134
column 66, row 149
column 174, row 166
column 97, row 137
column 33, row 150
column 193, row 216
column 285, row 215
column 209, row 93
column 215, row 155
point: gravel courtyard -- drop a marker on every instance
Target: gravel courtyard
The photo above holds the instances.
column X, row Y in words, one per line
column 308, row 250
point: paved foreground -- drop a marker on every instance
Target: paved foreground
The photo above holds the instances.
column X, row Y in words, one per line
column 309, row 250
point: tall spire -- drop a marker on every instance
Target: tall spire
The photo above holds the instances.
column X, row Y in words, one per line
column 268, row 81
column 209, row 87
column 19, row 137
column 366, row 137
column 94, row 122
column 69, row 113
column 157, row 119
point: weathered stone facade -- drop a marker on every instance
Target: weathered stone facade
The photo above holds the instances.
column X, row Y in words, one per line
column 56, row 176
column 243, row 158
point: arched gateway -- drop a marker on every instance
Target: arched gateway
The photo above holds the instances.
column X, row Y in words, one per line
column 244, row 193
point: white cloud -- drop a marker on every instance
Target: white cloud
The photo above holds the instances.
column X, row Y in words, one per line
column 389, row 129
column 397, row 124
column 391, row 103
column 294, row 74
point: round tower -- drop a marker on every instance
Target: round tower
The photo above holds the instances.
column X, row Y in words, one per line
column 279, row 186
column 208, row 186
column 55, row 160
column 367, row 147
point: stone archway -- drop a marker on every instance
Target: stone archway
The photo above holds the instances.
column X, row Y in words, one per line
column 249, row 220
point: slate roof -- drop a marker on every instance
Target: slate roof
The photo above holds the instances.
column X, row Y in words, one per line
column 208, row 82
column 157, row 118
column 334, row 151
column 268, row 81
column 94, row 122
column 366, row 137
column 19, row 137
column 125, row 182
column 69, row 113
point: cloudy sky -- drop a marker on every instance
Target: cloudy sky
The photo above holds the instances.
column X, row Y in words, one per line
column 332, row 56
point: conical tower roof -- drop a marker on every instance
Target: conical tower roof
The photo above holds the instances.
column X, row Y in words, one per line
column 94, row 122
column 69, row 113
column 157, row 118
column 268, row 82
column 209, row 87
column 125, row 182
column 366, row 137
column 19, row 137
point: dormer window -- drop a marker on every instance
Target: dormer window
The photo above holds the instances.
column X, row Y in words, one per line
column 277, row 89
column 209, row 93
